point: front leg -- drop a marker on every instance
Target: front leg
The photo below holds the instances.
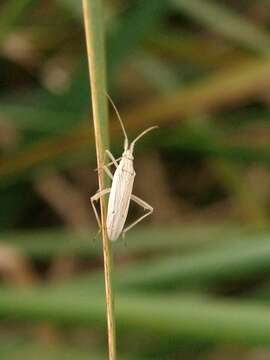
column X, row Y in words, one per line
column 95, row 198
column 113, row 161
column 108, row 171
column 112, row 158
column 143, row 204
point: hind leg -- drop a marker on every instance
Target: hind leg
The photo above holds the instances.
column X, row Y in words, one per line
column 96, row 197
column 143, row 204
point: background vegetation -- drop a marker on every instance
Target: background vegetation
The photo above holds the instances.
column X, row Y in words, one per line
column 191, row 282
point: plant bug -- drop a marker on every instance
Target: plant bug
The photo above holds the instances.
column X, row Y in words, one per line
column 121, row 189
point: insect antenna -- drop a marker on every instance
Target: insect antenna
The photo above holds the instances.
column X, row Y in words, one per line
column 141, row 135
column 120, row 120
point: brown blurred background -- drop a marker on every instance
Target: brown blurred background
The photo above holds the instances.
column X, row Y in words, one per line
column 191, row 281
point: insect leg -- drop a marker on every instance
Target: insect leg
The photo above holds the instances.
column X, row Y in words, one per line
column 114, row 161
column 142, row 204
column 95, row 197
column 110, row 155
column 108, row 171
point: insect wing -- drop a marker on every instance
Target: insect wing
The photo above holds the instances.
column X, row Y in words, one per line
column 119, row 200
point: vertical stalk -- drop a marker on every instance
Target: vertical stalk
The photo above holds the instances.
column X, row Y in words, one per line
column 95, row 41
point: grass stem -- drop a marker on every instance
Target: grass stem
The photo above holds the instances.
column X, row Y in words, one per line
column 94, row 29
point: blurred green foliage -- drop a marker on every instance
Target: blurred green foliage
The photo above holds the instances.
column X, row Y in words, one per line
column 192, row 284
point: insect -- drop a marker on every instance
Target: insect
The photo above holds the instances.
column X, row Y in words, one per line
column 121, row 188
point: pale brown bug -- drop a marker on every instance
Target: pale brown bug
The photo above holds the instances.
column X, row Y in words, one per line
column 121, row 189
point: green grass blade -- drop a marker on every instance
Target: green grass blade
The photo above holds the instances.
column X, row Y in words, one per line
column 53, row 243
column 186, row 317
column 223, row 20
column 235, row 260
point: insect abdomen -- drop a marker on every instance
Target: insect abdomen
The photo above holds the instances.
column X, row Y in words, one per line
column 119, row 199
